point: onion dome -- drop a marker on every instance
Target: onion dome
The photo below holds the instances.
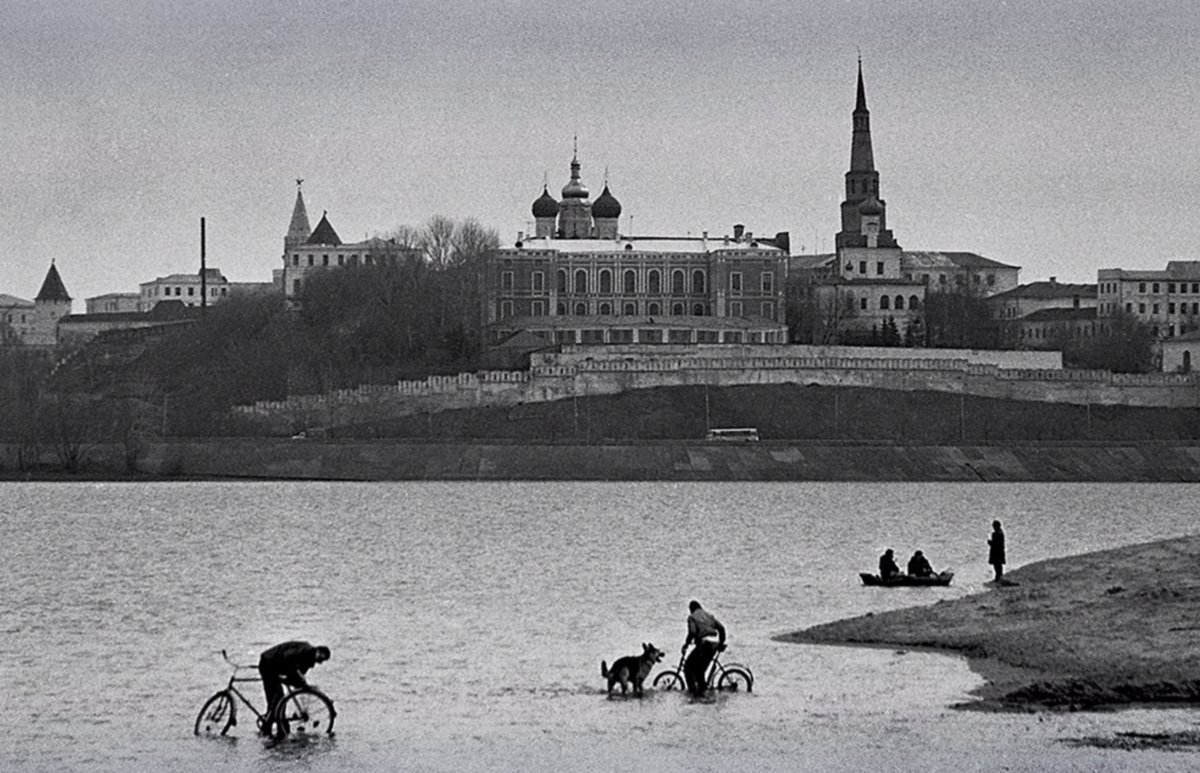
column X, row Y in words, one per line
column 870, row 206
column 575, row 189
column 606, row 205
column 545, row 205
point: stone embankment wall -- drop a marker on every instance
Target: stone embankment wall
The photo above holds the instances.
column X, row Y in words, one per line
column 269, row 458
column 583, row 371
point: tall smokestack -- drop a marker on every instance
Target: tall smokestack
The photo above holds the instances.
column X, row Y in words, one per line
column 203, row 273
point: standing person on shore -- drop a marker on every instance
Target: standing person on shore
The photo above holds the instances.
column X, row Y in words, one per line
column 708, row 635
column 996, row 555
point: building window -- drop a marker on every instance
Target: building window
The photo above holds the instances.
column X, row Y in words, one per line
column 879, row 268
column 296, row 287
column 1170, row 287
column 311, row 260
column 862, row 266
column 679, row 336
column 653, row 309
column 561, row 309
column 899, row 303
column 191, row 291
column 605, row 309
column 629, row 309
column 606, row 282
column 1141, row 308
column 914, row 303
column 295, row 260
column 580, row 309
column 654, row 282
column 538, row 279
column 677, row 282
column 505, row 309
column 562, row 281
column 991, row 280
column 697, row 282
column 735, row 282
column 768, row 282
column 677, row 310
column 581, row 281
column 630, row 282
column 862, row 303
column 1141, row 287
column 1170, row 308
column 735, row 308
column 618, row 336
column 1156, row 288
column 506, row 280
column 884, row 303
column 941, row 279
column 1129, row 308
column 697, row 309
column 768, row 310
column 538, row 309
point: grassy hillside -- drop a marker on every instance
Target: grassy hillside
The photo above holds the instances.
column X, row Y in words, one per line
column 795, row 412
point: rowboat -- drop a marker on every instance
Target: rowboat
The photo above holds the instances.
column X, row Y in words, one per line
column 903, row 580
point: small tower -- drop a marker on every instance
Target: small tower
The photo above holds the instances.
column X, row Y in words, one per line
column 298, row 230
column 575, row 211
column 862, row 182
column 51, row 304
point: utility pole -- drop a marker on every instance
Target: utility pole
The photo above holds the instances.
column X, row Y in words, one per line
column 203, row 274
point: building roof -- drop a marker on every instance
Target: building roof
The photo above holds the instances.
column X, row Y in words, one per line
column 545, row 205
column 697, row 245
column 298, row 230
column 163, row 311
column 1061, row 315
column 324, row 233
column 1046, row 291
column 53, row 288
column 211, row 275
column 930, row 259
column 12, row 300
column 606, row 205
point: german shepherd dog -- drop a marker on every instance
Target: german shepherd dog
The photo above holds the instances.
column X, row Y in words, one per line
column 631, row 669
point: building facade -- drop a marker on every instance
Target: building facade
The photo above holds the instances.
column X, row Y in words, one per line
column 1168, row 300
column 308, row 250
column 578, row 280
column 114, row 303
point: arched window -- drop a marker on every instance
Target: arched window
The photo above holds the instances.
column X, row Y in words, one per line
column 561, row 310
column 697, row 282
column 630, row 309
column 899, row 303
column 562, row 280
column 654, row 282
column 605, row 309
column 677, row 310
column 677, row 282
column 581, row 281
column 653, row 309
column 630, row 282
column 698, row 310
column 580, row 309
column 883, row 303
column 606, row 281
column 914, row 303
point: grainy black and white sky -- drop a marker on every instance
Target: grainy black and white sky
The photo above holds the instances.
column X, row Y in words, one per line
column 1061, row 136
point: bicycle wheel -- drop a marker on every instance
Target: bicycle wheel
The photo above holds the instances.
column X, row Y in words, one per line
column 304, row 712
column 217, row 716
column 735, row 680
column 669, row 680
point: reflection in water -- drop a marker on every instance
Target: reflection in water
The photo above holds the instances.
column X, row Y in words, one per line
column 467, row 621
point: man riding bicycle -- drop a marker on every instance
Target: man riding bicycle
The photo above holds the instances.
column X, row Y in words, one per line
column 709, row 636
column 287, row 663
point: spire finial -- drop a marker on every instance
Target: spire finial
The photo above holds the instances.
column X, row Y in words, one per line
column 606, row 177
column 575, row 146
column 299, row 182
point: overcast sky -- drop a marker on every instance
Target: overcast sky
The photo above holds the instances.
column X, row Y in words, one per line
column 1062, row 137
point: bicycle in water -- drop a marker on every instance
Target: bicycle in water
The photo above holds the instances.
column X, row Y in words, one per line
column 722, row 677
column 303, row 711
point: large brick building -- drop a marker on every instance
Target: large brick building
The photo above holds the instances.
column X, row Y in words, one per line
column 577, row 279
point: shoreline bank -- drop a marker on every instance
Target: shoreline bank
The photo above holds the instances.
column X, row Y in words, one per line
column 1107, row 629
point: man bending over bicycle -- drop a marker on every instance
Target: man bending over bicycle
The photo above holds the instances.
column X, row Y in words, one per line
column 709, row 636
column 287, row 663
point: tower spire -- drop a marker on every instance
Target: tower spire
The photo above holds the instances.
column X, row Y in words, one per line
column 862, row 181
column 298, row 230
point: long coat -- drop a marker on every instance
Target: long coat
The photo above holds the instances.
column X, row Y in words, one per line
column 996, row 548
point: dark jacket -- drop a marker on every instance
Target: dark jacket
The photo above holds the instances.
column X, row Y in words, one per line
column 996, row 548
column 289, row 661
column 887, row 566
column 918, row 566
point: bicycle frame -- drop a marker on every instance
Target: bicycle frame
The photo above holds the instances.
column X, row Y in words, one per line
column 716, row 670
column 234, row 679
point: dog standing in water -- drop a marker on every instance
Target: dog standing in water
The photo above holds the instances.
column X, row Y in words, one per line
column 632, row 669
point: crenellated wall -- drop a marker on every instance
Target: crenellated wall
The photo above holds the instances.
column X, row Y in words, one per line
column 584, row 371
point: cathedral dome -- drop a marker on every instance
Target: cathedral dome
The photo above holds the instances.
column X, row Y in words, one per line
column 606, row 205
column 575, row 190
column 545, row 205
column 870, row 206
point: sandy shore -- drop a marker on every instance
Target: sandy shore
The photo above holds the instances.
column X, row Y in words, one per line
column 1117, row 627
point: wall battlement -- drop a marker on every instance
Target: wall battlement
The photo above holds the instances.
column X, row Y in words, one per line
column 587, row 371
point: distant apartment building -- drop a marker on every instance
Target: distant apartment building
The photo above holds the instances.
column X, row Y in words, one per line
column 113, row 303
column 1168, row 300
column 188, row 289
column 306, row 250
column 1043, row 315
column 578, row 280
